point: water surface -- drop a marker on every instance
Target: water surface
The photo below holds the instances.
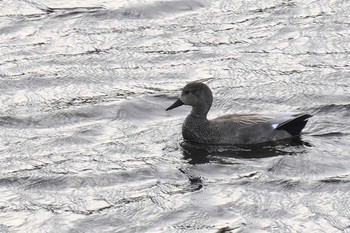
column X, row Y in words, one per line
column 86, row 144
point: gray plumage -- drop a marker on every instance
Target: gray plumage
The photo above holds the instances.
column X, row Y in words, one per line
column 233, row 128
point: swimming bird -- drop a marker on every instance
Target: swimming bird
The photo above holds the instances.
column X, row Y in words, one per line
column 233, row 129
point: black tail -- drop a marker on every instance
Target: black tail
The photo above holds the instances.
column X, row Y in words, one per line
column 295, row 125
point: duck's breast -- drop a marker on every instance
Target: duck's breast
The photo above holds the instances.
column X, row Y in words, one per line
column 199, row 130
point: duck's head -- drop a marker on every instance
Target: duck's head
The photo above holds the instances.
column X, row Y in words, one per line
column 198, row 95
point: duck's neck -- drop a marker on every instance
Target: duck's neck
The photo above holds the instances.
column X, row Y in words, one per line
column 200, row 111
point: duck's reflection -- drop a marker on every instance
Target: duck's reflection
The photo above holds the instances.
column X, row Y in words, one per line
column 199, row 153
column 196, row 154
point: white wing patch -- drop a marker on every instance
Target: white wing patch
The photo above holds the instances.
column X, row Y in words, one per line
column 274, row 126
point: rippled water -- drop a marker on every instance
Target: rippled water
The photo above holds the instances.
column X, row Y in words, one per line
column 86, row 145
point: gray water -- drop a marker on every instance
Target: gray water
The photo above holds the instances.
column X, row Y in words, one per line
column 86, row 144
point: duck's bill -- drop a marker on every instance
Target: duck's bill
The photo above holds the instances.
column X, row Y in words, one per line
column 175, row 105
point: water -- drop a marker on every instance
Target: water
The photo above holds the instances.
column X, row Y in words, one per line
column 86, row 144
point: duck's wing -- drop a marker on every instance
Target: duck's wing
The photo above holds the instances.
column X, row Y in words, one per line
column 293, row 123
column 244, row 119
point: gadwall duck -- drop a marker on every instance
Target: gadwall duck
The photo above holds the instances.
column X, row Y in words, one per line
column 234, row 128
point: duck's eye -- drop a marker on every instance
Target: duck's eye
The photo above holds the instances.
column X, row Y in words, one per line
column 190, row 91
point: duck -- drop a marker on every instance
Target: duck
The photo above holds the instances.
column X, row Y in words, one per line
column 233, row 129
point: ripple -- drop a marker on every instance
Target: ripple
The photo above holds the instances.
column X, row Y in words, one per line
column 330, row 108
column 21, row 8
column 159, row 9
column 11, row 121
